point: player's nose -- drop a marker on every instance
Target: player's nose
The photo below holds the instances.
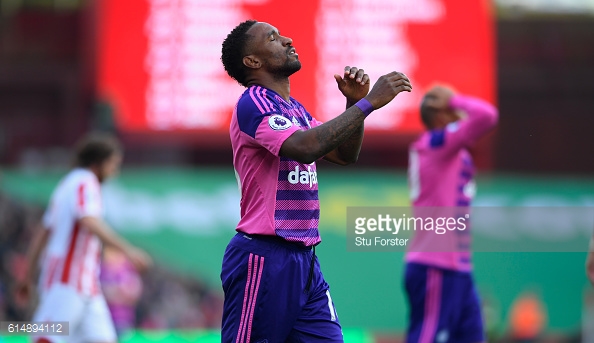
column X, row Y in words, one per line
column 287, row 41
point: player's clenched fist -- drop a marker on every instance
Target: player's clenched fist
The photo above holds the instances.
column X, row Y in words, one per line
column 387, row 87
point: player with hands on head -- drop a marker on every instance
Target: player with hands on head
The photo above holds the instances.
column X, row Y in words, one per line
column 274, row 289
column 443, row 301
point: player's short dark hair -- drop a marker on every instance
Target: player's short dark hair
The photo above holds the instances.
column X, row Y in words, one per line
column 428, row 113
column 234, row 49
column 95, row 148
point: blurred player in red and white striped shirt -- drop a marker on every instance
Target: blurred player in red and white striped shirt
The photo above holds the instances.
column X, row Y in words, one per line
column 72, row 233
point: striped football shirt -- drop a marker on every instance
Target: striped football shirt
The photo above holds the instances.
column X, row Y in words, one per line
column 279, row 196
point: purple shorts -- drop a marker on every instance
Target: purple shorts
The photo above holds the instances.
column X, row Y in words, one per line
column 273, row 293
column 444, row 306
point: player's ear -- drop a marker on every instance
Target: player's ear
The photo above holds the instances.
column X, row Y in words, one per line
column 252, row 61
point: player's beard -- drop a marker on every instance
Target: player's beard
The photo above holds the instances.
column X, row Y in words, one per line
column 287, row 69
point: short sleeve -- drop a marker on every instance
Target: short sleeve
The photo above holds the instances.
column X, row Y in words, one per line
column 273, row 131
column 88, row 203
column 260, row 118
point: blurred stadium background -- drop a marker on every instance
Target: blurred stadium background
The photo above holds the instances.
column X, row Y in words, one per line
column 149, row 71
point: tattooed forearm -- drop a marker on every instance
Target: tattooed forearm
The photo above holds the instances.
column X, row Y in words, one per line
column 344, row 131
column 310, row 145
column 349, row 150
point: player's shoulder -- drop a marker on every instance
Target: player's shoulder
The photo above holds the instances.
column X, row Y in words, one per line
column 82, row 176
column 422, row 141
column 72, row 182
column 254, row 105
column 430, row 140
column 256, row 100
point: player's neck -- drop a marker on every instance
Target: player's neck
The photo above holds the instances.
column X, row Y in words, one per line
column 281, row 86
column 97, row 171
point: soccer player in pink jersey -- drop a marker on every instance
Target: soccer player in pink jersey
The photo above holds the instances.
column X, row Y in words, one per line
column 274, row 289
column 444, row 305
column 71, row 236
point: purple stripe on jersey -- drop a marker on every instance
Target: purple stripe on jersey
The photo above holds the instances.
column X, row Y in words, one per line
column 296, row 214
column 463, row 202
column 297, row 195
column 296, row 224
column 466, row 174
column 299, row 233
column 286, row 185
column 287, row 162
column 283, row 175
column 297, row 204
column 285, row 167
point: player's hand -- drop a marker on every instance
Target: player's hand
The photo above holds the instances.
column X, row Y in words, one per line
column 24, row 292
column 387, row 87
column 140, row 259
column 354, row 84
column 439, row 97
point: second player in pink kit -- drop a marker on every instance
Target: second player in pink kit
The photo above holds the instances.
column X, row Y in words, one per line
column 444, row 305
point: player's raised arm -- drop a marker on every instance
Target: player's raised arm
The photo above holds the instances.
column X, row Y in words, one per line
column 455, row 121
column 311, row 145
column 481, row 117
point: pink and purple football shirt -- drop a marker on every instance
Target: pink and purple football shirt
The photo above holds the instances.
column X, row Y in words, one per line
column 441, row 175
column 279, row 196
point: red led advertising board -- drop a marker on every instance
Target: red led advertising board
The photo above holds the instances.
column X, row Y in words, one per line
column 159, row 60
